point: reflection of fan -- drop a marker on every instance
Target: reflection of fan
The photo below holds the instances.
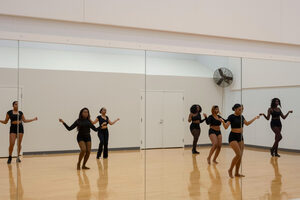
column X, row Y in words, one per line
column 223, row 77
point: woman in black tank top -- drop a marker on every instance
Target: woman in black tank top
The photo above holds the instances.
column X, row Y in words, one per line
column 275, row 112
column 16, row 118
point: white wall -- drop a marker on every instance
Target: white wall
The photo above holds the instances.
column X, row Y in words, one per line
column 268, row 20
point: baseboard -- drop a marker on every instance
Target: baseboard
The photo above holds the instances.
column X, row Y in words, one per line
column 76, row 151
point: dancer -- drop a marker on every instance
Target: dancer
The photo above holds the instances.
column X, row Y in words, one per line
column 16, row 118
column 276, row 125
column 195, row 120
column 103, row 132
column 236, row 140
column 215, row 136
column 83, row 124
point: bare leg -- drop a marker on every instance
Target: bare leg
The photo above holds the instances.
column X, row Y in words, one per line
column 238, row 164
column 20, row 138
column 12, row 140
column 218, row 149
column 214, row 140
column 236, row 148
column 82, row 147
column 87, row 155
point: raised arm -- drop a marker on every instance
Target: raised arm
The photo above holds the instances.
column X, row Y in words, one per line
column 225, row 124
column 28, row 120
column 6, row 119
column 69, row 128
column 208, row 120
column 268, row 115
column 287, row 114
column 205, row 117
column 112, row 123
column 247, row 123
column 94, row 122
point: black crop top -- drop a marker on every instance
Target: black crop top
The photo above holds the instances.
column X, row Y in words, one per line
column 197, row 118
column 101, row 120
column 84, row 126
column 235, row 121
column 212, row 121
column 14, row 117
column 275, row 114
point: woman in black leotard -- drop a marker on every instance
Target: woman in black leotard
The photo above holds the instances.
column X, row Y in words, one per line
column 276, row 125
column 236, row 140
column 16, row 118
column 195, row 119
column 83, row 125
column 215, row 136
column 103, row 134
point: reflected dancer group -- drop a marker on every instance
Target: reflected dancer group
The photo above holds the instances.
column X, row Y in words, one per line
column 236, row 121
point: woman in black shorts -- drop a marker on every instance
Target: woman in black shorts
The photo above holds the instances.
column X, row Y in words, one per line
column 236, row 140
column 103, row 134
column 215, row 136
column 16, row 118
column 276, row 125
column 83, row 125
column 195, row 120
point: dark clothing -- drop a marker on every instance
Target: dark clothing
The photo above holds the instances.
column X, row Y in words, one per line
column 212, row 131
column 83, row 126
column 235, row 137
column 103, row 145
column 236, row 121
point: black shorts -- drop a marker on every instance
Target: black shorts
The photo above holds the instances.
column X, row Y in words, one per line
column 276, row 123
column 235, row 137
column 212, row 131
column 14, row 128
column 194, row 126
column 84, row 137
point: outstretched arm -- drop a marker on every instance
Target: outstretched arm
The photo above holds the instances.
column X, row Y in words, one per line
column 225, row 124
column 287, row 114
column 247, row 123
column 268, row 115
column 205, row 117
column 28, row 120
column 112, row 123
column 69, row 128
column 94, row 128
column 6, row 119
column 94, row 122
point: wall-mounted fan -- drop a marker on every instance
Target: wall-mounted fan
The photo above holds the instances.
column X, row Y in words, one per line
column 223, row 77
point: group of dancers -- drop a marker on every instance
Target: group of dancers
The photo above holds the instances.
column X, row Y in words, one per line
column 237, row 122
column 83, row 125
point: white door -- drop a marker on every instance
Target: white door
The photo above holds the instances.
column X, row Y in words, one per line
column 173, row 120
column 8, row 95
column 164, row 119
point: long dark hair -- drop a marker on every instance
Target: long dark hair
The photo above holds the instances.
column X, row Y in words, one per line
column 273, row 102
column 80, row 115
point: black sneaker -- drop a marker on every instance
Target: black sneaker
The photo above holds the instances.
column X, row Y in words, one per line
column 9, row 160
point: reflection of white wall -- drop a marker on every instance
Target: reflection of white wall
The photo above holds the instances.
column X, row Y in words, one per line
column 268, row 73
column 8, row 53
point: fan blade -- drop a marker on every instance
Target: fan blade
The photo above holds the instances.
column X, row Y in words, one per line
column 221, row 72
column 220, row 81
column 228, row 78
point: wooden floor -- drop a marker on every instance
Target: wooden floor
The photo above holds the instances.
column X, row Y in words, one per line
column 170, row 174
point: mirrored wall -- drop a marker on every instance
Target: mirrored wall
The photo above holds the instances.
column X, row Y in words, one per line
column 107, row 123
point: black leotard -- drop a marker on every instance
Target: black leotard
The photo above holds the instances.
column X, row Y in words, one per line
column 195, row 125
column 84, row 126
column 101, row 121
column 275, row 121
column 236, row 121
column 15, row 128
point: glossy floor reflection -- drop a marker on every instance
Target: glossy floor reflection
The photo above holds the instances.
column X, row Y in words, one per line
column 171, row 174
